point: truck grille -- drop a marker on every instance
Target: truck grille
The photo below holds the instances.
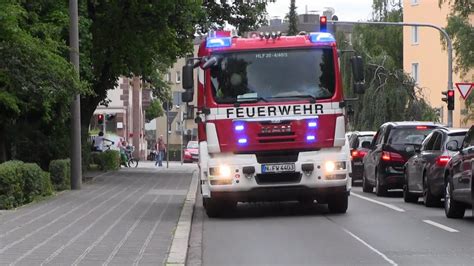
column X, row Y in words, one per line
column 277, row 157
column 276, row 178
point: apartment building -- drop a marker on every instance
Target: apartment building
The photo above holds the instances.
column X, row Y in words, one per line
column 427, row 60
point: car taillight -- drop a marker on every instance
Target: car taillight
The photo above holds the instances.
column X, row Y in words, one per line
column 358, row 154
column 442, row 160
column 392, row 157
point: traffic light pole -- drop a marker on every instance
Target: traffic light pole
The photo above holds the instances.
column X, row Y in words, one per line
column 76, row 151
column 403, row 24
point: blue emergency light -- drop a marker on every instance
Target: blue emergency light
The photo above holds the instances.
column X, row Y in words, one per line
column 242, row 141
column 312, row 124
column 321, row 37
column 239, row 127
column 218, row 42
column 310, row 138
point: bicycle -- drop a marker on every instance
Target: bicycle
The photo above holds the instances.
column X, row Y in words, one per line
column 132, row 162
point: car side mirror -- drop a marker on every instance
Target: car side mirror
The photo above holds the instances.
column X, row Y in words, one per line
column 453, row 145
column 410, row 149
column 357, row 66
column 366, row 144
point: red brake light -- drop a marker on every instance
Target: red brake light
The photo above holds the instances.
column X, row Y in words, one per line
column 392, row 157
column 442, row 160
column 358, row 154
column 421, row 127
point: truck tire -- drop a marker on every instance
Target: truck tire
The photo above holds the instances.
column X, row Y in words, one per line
column 216, row 208
column 338, row 203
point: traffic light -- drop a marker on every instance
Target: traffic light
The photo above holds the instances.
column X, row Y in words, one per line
column 109, row 117
column 448, row 98
column 100, row 119
column 323, row 24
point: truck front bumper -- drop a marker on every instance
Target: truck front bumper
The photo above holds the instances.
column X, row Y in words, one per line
column 310, row 177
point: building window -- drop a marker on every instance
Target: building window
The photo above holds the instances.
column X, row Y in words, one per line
column 414, row 35
column 178, row 76
column 168, row 77
column 414, row 2
column 415, row 72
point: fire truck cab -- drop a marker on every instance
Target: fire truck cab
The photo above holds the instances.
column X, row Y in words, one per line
column 271, row 120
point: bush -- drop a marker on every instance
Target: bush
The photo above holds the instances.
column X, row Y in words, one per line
column 21, row 183
column 60, row 171
column 110, row 160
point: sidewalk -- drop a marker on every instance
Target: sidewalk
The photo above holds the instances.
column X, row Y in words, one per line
column 119, row 218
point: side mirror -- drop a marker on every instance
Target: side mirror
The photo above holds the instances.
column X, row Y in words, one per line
column 210, row 63
column 452, row 145
column 366, row 144
column 187, row 96
column 188, row 79
column 357, row 66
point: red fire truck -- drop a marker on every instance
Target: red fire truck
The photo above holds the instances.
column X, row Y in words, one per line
column 271, row 120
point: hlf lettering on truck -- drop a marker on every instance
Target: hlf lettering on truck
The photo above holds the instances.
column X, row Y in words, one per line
column 270, row 111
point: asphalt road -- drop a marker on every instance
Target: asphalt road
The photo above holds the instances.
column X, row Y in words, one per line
column 374, row 231
column 121, row 218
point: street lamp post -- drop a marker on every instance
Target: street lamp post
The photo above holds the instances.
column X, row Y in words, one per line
column 404, row 24
column 76, row 153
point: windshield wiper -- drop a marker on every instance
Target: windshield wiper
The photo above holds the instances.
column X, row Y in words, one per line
column 252, row 100
column 306, row 96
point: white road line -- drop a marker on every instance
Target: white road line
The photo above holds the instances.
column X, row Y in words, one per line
column 5, row 248
column 444, row 227
column 72, row 240
column 371, row 248
column 107, row 231
column 390, row 206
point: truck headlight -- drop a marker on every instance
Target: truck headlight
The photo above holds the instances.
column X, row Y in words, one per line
column 331, row 166
column 221, row 171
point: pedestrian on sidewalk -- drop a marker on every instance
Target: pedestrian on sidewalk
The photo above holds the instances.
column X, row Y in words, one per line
column 161, row 149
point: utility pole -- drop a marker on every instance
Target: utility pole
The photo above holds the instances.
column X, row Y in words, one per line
column 167, row 135
column 76, row 153
column 403, row 24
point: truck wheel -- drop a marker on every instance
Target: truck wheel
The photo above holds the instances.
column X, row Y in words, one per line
column 338, row 203
column 366, row 187
column 216, row 208
column 452, row 208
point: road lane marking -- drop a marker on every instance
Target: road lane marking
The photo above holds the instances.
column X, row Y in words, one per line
column 371, row 248
column 444, row 227
column 390, row 206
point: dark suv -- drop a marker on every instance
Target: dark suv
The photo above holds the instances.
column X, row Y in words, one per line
column 356, row 139
column 390, row 149
column 459, row 179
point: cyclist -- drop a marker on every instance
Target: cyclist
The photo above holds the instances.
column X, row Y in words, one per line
column 98, row 142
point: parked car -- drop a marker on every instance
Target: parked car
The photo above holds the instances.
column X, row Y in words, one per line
column 191, row 153
column 424, row 171
column 459, row 178
column 358, row 152
column 385, row 161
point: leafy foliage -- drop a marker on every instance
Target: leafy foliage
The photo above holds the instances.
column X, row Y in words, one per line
column 60, row 171
column 154, row 110
column 391, row 94
column 292, row 17
column 243, row 15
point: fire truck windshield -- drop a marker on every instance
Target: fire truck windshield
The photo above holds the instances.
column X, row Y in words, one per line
column 273, row 75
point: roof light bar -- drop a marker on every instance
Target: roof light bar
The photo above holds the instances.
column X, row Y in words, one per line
column 218, row 42
column 321, row 37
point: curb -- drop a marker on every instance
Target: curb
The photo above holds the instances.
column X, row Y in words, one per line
column 180, row 243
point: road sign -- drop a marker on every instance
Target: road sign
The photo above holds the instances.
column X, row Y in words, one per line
column 464, row 88
column 171, row 116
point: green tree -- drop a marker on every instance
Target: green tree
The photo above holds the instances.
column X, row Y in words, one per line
column 292, row 17
column 155, row 109
column 391, row 94
column 243, row 15
column 36, row 81
column 461, row 32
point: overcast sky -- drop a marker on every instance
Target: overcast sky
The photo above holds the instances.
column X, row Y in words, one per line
column 346, row 10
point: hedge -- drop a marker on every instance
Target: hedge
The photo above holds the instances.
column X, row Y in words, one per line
column 108, row 160
column 21, row 183
column 60, row 171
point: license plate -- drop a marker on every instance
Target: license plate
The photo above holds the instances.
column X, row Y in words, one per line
column 358, row 163
column 278, row 168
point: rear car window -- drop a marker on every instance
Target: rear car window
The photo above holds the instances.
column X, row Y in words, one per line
column 408, row 135
column 364, row 138
column 193, row 145
column 457, row 137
